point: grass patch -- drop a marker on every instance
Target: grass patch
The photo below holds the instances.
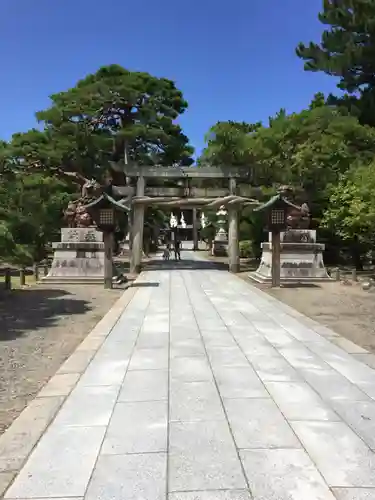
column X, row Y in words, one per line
column 15, row 280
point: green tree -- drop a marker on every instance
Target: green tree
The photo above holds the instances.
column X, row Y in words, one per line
column 110, row 116
column 116, row 114
column 318, row 101
column 311, row 149
column 351, row 210
column 30, row 214
column 227, row 144
column 346, row 51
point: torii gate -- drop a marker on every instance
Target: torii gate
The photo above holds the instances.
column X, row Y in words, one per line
column 186, row 196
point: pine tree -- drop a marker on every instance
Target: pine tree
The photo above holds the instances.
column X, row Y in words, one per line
column 347, row 51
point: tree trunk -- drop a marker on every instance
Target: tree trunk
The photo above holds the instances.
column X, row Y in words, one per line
column 356, row 255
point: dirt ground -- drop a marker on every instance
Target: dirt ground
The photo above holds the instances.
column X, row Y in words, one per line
column 346, row 308
column 40, row 326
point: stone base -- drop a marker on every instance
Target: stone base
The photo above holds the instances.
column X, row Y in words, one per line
column 300, row 262
column 220, row 249
column 267, row 280
column 220, row 244
column 78, row 258
column 70, row 280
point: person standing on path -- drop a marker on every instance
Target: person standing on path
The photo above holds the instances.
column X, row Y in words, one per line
column 177, row 250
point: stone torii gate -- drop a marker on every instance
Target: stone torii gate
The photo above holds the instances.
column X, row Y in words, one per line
column 186, row 196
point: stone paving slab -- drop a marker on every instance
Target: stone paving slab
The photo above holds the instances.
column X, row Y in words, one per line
column 211, row 495
column 341, row 456
column 137, row 427
column 258, row 423
column 354, row 493
column 130, row 477
column 283, row 474
column 202, row 456
column 202, row 388
column 144, row 385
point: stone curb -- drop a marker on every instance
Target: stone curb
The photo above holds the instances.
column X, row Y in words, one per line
column 20, row 438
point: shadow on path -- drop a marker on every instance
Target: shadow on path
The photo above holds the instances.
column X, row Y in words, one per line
column 144, row 284
column 266, row 286
column 24, row 310
column 184, row 264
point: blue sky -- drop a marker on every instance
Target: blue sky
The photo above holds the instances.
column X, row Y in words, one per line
column 234, row 60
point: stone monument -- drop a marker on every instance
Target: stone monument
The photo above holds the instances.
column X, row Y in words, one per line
column 301, row 258
column 78, row 257
column 220, row 244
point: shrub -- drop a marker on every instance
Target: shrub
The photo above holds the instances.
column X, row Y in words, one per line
column 246, row 249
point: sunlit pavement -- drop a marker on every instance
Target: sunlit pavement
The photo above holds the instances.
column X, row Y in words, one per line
column 209, row 389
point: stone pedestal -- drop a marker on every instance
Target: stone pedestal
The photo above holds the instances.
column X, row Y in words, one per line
column 220, row 244
column 301, row 258
column 78, row 258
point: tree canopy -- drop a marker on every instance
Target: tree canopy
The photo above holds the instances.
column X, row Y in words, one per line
column 110, row 116
column 351, row 209
column 317, row 151
column 116, row 113
column 347, row 51
column 309, row 149
column 227, row 144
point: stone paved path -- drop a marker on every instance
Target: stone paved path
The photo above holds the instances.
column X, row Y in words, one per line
column 208, row 389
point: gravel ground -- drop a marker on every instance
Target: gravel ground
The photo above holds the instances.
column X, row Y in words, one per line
column 40, row 326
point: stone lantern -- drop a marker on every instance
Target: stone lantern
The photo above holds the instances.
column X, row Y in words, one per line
column 220, row 244
column 105, row 211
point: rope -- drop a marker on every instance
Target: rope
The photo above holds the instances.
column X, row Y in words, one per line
column 173, row 201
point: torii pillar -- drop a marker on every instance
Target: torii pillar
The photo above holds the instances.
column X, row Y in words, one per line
column 137, row 230
column 233, row 232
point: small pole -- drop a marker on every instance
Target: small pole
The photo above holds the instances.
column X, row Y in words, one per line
column 45, row 269
column 108, row 261
column 276, row 251
column 354, row 275
column 22, row 277
column 337, row 274
column 8, row 280
column 36, row 271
